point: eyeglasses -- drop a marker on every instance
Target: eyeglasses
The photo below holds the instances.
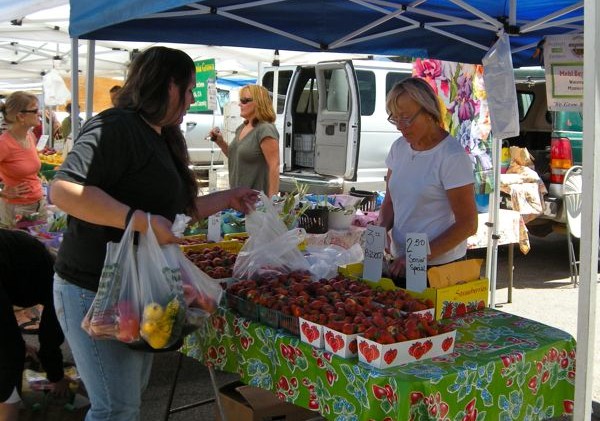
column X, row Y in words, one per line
column 245, row 100
column 35, row 111
column 404, row 122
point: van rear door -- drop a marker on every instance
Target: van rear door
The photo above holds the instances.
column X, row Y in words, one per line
column 338, row 120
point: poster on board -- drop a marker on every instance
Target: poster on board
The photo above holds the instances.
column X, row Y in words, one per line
column 563, row 64
column 205, row 92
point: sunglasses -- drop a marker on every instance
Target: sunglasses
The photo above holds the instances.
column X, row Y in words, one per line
column 35, row 111
column 245, row 100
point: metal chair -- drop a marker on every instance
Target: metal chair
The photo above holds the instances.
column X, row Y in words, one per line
column 572, row 205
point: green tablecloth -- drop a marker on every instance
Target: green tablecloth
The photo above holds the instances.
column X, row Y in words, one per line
column 503, row 368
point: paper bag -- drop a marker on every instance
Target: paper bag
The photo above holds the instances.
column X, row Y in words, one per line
column 454, row 273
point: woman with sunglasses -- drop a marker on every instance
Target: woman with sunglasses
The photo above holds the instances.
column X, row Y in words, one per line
column 19, row 162
column 254, row 152
column 430, row 182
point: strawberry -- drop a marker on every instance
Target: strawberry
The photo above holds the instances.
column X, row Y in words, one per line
column 447, row 343
column 390, row 356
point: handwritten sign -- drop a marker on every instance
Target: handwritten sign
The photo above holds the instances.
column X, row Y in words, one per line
column 42, row 142
column 214, row 227
column 417, row 249
column 374, row 245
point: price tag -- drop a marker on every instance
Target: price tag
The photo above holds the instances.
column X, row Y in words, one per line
column 42, row 142
column 214, row 227
column 417, row 249
column 374, row 245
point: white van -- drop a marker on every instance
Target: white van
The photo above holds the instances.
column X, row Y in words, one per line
column 332, row 121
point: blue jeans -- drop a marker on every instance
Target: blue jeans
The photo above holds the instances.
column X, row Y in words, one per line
column 113, row 374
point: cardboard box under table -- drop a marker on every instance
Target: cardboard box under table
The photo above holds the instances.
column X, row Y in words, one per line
column 247, row 403
column 455, row 300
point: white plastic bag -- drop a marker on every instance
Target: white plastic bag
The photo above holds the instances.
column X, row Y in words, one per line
column 324, row 260
column 201, row 293
column 161, row 291
column 116, row 310
column 270, row 246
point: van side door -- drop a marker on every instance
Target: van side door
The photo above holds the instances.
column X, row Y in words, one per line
column 338, row 120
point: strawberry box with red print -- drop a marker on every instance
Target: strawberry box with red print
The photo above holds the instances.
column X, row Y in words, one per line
column 449, row 301
column 415, row 337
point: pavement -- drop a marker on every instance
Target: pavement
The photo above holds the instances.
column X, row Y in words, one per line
column 542, row 291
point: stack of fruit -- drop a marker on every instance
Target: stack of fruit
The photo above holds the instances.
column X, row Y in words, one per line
column 161, row 326
column 215, row 261
column 345, row 305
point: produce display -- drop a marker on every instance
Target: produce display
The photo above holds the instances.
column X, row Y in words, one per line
column 344, row 305
column 49, row 155
column 193, row 240
column 215, row 261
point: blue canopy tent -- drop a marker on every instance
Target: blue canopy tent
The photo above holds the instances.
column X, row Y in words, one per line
column 456, row 30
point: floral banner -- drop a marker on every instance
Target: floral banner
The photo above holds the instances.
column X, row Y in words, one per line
column 465, row 112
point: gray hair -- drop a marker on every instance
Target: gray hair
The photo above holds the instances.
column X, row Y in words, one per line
column 420, row 92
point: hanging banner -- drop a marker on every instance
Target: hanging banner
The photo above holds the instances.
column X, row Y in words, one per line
column 563, row 62
column 205, row 92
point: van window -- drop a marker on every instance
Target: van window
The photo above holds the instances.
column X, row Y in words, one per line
column 366, row 89
column 392, row 78
column 524, row 101
column 285, row 76
column 337, row 96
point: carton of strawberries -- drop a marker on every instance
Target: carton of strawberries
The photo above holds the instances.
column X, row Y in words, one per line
column 414, row 337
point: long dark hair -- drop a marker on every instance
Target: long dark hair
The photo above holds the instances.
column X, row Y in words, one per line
column 146, row 91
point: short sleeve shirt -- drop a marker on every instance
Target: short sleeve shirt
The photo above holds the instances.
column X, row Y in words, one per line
column 247, row 163
column 418, row 186
column 119, row 153
column 20, row 165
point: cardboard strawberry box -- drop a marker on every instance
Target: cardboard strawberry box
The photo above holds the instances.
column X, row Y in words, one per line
column 391, row 355
column 340, row 344
column 451, row 301
column 311, row 333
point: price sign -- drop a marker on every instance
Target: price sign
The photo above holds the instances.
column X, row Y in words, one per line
column 214, row 227
column 374, row 245
column 42, row 142
column 417, row 249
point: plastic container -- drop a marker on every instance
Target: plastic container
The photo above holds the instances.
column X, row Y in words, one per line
column 340, row 220
column 369, row 202
column 314, row 221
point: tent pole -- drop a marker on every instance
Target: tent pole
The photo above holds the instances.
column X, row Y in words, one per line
column 89, row 90
column 74, row 84
column 590, row 211
column 491, row 266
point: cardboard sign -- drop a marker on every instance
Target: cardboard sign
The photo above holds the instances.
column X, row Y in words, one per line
column 563, row 64
column 417, row 249
column 42, row 142
column 374, row 245
column 214, row 227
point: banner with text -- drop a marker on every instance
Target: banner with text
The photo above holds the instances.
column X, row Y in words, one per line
column 205, row 92
column 563, row 61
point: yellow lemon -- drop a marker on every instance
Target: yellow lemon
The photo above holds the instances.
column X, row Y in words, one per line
column 153, row 311
column 158, row 341
column 149, row 327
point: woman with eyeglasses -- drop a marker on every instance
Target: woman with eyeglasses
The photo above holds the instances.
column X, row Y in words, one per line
column 254, row 152
column 429, row 183
column 22, row 193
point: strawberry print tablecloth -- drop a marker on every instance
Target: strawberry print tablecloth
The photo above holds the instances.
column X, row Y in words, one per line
column 503, row 367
